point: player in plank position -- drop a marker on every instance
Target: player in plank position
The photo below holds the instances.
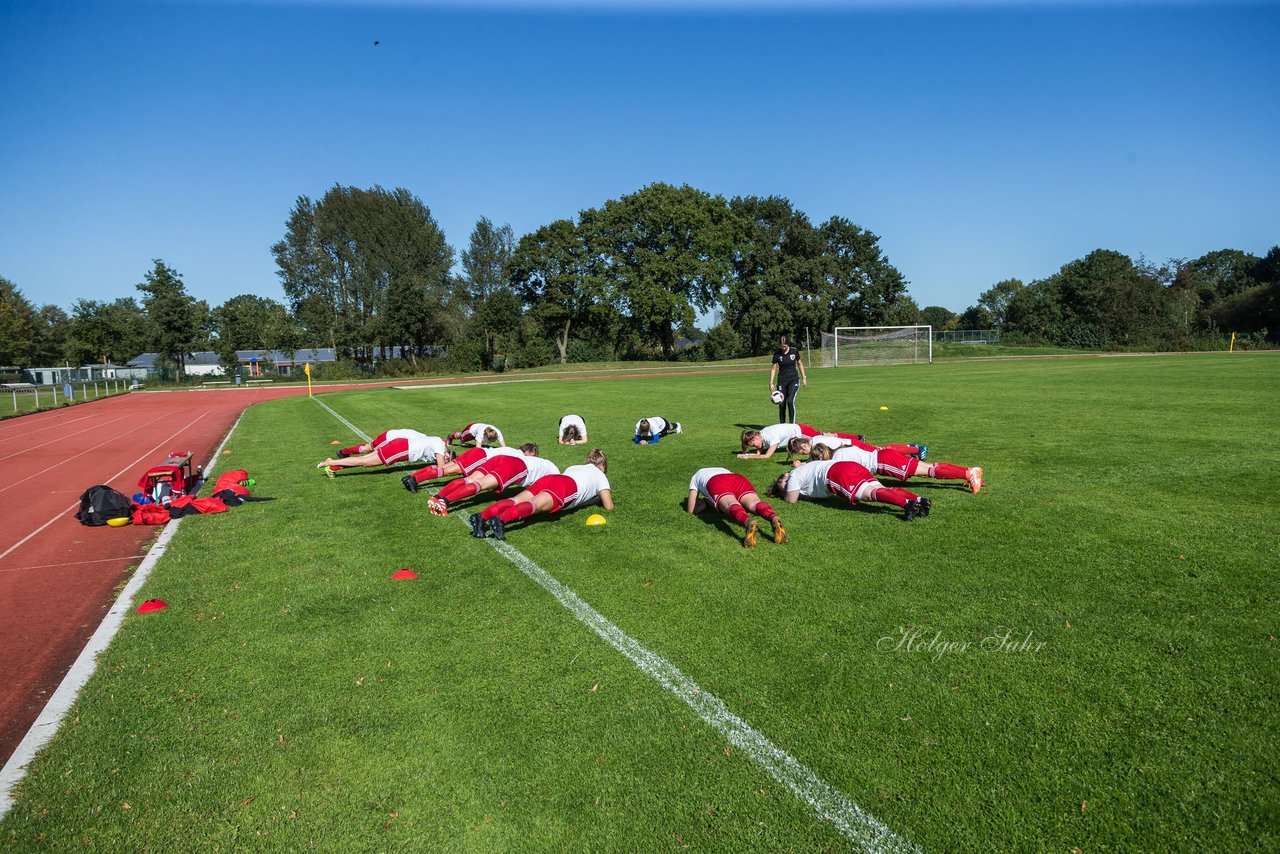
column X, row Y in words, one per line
column 883, row 461
column 388, row 449
column 464, row 464
column 650, row 430
column 734, row 496
column 847, row 479
column 767, row 439
column 480, row 433
column 576, row 487
column 572, row 430
column 496, row 473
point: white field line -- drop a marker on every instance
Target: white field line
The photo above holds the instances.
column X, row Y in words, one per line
column 46, row 726
column 858, row 826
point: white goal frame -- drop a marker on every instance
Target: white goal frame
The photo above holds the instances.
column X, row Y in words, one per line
column 916, row 345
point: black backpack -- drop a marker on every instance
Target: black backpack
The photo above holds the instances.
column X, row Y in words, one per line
column 100, row 503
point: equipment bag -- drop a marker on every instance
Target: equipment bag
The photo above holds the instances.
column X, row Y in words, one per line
column 100, row 503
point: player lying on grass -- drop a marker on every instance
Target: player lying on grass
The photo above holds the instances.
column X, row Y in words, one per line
column 650, row 430
column 883, row 461
column 572, row 430
column 480, row 433
column 388, row 449
column 767, row 439
column 735, row 497
column 497, row 473
column 463, row 464
column 555, row 493
column 845, row 440
column 849, row 480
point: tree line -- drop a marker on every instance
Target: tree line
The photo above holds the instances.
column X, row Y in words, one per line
column 370, row 273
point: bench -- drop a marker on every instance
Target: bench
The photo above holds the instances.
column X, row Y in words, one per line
column 258, row 382
column 216, row 382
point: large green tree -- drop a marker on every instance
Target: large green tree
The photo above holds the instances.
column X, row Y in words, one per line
column 858, row 285
column 19, row 326
column 664, row 252
column 486, row 266
column 173, row 318
column 556, row 275
column 109, row 332
column 366, row 269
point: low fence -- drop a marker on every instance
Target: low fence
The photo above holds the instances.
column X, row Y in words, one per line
column 28, row 397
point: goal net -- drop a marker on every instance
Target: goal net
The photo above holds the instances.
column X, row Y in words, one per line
column 876, row 345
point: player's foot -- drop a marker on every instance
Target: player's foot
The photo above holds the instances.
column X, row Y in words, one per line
column 779, row 535
column 923, row 453
column 438, row 506
column 330, row 471
column 974, row 476
column 410, row 482
column 749, row 539
column 913, row 509
column 477, row 526
column 498, row 528
column 679, row 429
column 926, row 504
column 342, row 453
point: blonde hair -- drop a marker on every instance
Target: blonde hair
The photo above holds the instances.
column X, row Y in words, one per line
column 596, row 457
column 490, row 434
column 820, row 452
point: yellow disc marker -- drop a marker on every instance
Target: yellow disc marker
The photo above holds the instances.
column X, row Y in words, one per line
column 884, row 408
column 595, row 519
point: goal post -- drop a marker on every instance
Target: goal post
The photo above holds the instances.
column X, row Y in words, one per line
column 849, row 346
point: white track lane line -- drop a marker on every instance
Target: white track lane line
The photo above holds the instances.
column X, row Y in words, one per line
column 861, row 828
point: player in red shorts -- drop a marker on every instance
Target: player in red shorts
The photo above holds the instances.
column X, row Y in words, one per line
column 852, row 481
column 497, row 473
column 463, row 464
column 388, row 449
column 576, row 487
column 480, row 433
column 886, row 461
column 734, row 496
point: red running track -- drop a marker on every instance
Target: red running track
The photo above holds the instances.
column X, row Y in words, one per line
column 57, row 577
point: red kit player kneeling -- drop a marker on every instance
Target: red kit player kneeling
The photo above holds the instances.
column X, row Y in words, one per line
column 734, row 496
column 577, row 487
column 848, row 480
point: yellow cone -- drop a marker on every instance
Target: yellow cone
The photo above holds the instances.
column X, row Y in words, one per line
column 119, row 521
column 883, row 408
column 595, row 519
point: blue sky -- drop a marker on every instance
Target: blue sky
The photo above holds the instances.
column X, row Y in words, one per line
column 980, row 141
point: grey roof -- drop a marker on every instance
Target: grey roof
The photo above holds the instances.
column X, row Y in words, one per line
column 278, row 357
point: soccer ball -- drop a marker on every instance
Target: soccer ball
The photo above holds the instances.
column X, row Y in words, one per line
column 777, row 396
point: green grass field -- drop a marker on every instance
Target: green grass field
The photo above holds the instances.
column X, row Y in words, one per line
column 293, row 696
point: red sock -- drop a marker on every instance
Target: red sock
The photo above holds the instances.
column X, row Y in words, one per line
column 948, row 471
column 518, row 511
column 496, row 508
column 895, row 495
column 459, row 489
column 764, row 511
column 738, row 514
column 353, row 451
column 428, row 473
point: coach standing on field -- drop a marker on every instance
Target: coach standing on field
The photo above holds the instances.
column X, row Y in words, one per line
column 787, row 375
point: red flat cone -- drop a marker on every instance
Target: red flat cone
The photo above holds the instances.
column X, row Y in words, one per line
column 404, row 573
column 152, row 605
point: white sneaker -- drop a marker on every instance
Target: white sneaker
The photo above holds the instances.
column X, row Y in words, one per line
column 679, row 429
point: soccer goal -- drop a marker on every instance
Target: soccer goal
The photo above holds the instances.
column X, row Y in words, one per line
column 876, row 345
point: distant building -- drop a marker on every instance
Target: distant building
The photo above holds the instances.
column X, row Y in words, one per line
column 254, row 363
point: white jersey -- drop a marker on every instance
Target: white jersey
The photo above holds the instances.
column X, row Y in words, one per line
column 779, row 434
column 421, row 446
column 490, row 453
column 656, row 425
column 810, row 479
column 591, row 482
column 702, row 476
column 573, row 421
column 476, row 432
column 832, row 442
column 538, row 467
column 867, row 459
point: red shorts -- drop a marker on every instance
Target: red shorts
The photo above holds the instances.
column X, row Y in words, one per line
column 845, row 478
column 728, row 484
column 563, row 489
column 378, row 440
column 853, row 439
column 392, row 451
column 895, row 464
column 809, row 432
column 507, row 469
column 469, row 460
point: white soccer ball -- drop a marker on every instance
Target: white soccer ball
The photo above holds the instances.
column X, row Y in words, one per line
column 776, row 397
